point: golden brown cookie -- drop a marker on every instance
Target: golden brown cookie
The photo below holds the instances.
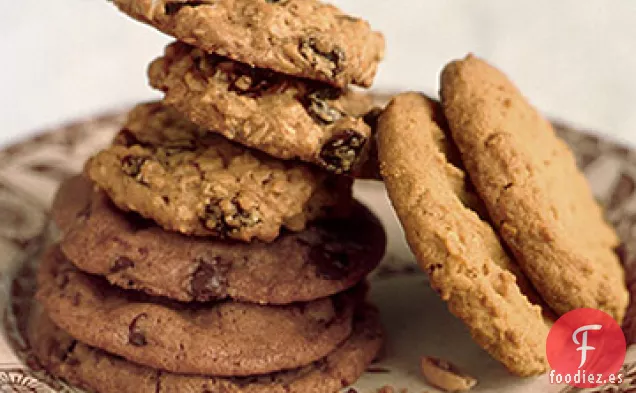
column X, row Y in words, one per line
column 304, row 38
column 538, row 200
column 461, row 253
column 288, row 118
column 216, row 338
column 328, row 257
column 98, row 371
column 195, row 182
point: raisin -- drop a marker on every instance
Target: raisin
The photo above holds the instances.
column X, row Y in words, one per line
column 341, row 151
column 213, row 218
column 319, row 109
column 209, row 281
column 224, row 222
column 131, row 165
column 254, row 83
column 327, row 62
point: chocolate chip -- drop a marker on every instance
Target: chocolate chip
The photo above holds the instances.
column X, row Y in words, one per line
column 121, row 263
column 326, row 61
column 209, row 281
column 341, row 151
column 131, row 165
column 135, row 336
column 174, row 7
column 330, row 256
column 331, row 264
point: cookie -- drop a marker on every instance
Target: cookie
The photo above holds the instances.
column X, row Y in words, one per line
column 539, row 201
column 288, row 118
column 221, row 338
column 191, row 181
column 460, row 251
column 303, row 38
column 326, row 258
column 95, row 370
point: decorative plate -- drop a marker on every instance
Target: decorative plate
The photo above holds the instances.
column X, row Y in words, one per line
column 417, row 321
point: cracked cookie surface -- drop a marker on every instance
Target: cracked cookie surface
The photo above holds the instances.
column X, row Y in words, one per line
column 288, row 118
column 304, row 38
column 188, row 180
column 326, row 258
column 538, row 199
column 460, row 251
column 95, row 370
column 217, row 338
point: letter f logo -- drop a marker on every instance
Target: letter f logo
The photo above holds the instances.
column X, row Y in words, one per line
column 583, row 343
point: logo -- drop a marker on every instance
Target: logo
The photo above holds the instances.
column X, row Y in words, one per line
column 585, row 348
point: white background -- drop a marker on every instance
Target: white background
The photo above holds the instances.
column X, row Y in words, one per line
column 576, row 60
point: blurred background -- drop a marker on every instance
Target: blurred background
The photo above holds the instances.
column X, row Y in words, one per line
column 575, row 60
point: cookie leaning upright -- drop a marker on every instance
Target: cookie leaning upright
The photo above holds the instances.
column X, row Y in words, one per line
column 537, row 198
column 460, row 252
column 304, row 38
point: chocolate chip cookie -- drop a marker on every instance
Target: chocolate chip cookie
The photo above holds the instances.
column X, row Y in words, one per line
column 221, row 338
column 460, row 251
column 537, row 198
column 95, row 370
column 328, row 257
column 195, row 182
column 288, row 118
column 304, row 38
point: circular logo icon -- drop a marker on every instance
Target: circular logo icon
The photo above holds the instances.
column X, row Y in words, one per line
column 585, row 348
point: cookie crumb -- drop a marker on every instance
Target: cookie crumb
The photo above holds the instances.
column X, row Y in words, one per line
column 386, row 389
column 446, row 376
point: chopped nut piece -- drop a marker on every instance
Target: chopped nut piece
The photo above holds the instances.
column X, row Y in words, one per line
column 446, row 376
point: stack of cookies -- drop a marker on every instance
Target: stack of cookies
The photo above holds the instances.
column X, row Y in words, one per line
column 497, row 213
column 215, row 246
